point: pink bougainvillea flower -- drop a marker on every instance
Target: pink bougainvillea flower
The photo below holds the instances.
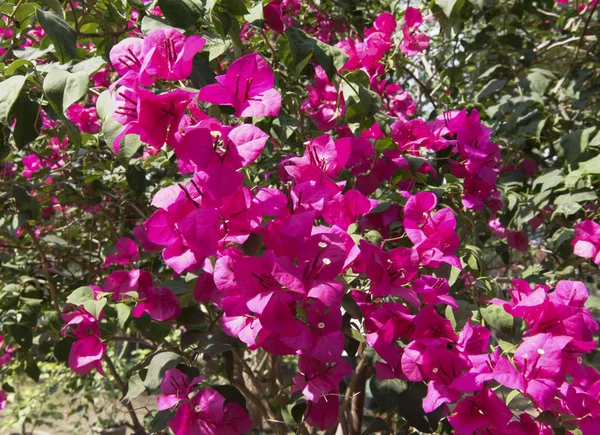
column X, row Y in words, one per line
column 586, row 241
column 434, row 290
column 126, row 58
column 433, row 233
column 199, row 415
column 142, row 238
column 127, row 253
column 176, row 387
column 86, row 355
column 345, row 208
column 413, row 41
column 3, row 397
column 247, row 86
column 168, row 53
column 518, row 240
column 484, row 409
column 540, row 359
column 160, row 304
column 209, row 413
column 317, row 379
column 121, row 282
column 86, row 118
column 273, row 14
column 165, row 53
column 32, row 164
column 390, row 271
column 154, row 117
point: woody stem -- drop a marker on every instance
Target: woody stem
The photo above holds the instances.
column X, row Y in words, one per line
column 138, row 428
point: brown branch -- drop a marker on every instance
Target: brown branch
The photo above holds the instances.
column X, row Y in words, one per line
column 357, row 388
column 137, row 426
column 43, row 260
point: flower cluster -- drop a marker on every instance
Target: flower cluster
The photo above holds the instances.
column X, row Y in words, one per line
column 277, row 257
column 202, row 411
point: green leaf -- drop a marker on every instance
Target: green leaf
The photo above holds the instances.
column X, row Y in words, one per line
column 29, row 122
column 538, row 81
column 572, row 145
column 32, row 370
column 302, row 45
column 210, row 343
column 235, row 7
column 9, row 92
column 129, row 146
column 409, row 406
column 511, row 396
column 255, row 14
column 23, row 335
column 497, row 318
column 63, row 88
column 202, row 73
column 63, row 348
column 182, row 13
column 136, row 178
column 80, row 296
column 123, row 314
column 55, row 6
column 351, row 307
column 63, row 36
column 490, row 88
column 161, row 420
column 157, row 368
column 15, row 65
column 135, row 387
column 104, row 105
column 150, row 23
column 191, row 317
column 94, row 307
column 89, row 66
column 591, row 166
column 361, row 102
column 448, row 6
column 593, row 304
column 387, row 392
column 231, row 394
column 549, row 179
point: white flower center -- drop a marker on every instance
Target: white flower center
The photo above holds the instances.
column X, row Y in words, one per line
column 321, row 325
column 541, row 351
column 197, row 408
column 326, row 261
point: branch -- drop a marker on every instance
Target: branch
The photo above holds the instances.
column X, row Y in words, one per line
column 38, row 247
column 138, row 428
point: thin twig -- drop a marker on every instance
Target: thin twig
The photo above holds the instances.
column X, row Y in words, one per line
column 43, row 260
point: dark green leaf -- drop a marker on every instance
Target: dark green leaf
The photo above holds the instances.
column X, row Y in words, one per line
column 161, row 420
column 136, row 178
column 9, row 92
column 135, row 387
column 80, row 296
column 387, row 392
column 23, row 335
column 63, row 36
column 63, row 88
column 29, row 122
column 231, row 394
column 157, row 368
column 182, row 13
column 302, row 45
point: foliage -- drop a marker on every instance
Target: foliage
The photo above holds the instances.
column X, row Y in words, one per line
column 283, row 216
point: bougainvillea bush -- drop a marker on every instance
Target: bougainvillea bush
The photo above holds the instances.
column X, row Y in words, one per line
column 242, row 216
